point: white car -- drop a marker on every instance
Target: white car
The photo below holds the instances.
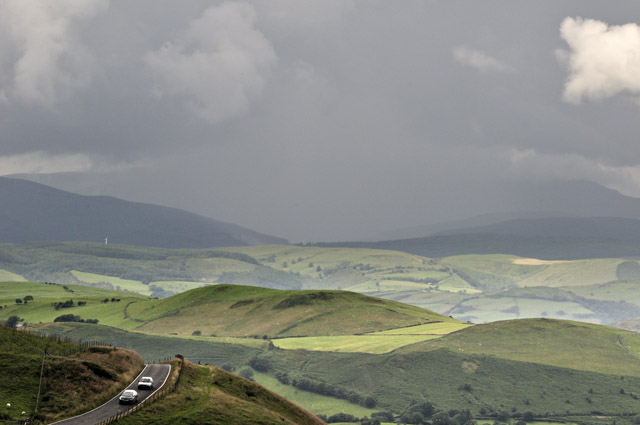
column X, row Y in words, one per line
column 129, row 397
column 145, row 383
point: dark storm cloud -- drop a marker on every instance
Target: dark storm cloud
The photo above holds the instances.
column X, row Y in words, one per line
column 319, row 120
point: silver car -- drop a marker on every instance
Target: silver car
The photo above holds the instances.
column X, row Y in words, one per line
column 145, row 383
column 129, row 397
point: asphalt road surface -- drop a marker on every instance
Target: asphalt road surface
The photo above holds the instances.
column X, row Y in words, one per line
column 159, row 373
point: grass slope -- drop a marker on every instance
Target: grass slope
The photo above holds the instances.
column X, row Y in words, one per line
column 543, row 366
column 552, row 342
column 97, row 373
column 212, row 396
column 231, row 310
column 42, row 310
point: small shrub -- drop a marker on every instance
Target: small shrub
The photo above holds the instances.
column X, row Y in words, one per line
column 370, row 402
column 341, row 417
column 246, row 372
column 260, row 364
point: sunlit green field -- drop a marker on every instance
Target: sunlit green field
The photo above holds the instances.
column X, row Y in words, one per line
column 504, row 308
column 374, row 344
column 118, row 283
column 6, row 276
column 40, row 310
column 178, row 286
column 315, row 403
column 441, row 328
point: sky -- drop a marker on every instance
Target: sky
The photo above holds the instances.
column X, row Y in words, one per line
column 320, row 120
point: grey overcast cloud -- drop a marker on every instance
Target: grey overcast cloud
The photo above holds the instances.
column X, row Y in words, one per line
column 320, row 120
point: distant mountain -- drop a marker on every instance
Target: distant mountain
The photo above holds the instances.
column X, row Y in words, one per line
column 475, row 221
column 34, row 212
column 562, row 238
column 530, row 200
column 592, row 228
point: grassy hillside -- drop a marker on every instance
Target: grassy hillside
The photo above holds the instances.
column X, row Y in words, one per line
column 6, row 276
column 218, row 311
column 212, row 396
column 97, row 373
column 552, row 342
column 544, row 366
column 41, row 308
column 231, row 310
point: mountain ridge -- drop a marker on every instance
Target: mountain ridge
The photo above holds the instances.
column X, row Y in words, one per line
column 35, row 212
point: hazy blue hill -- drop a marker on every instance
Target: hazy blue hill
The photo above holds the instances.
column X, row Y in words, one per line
column 599, row 228
column 546, row 238
column 530, row 200
column 34, row 212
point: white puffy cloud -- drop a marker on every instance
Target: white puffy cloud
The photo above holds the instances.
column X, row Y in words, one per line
column 603, row 60
column 478, row 59
column 42, row 59
column 218, row 65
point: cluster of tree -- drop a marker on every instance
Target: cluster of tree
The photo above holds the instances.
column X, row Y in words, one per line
column 73, row 318
column 159, row 292
column 303, row 299
column 424, row 413
column 113, row 300
column 13, row 321
column 65, row 304
column 24, row 300
column 323, row 388
column 345, row 417
column 376, row 418
column 260, row 364
column 362, row 267
column 336, row 269
column 504, row 416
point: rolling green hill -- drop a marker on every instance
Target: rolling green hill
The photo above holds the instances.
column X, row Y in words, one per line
column 232, row 310
column 552, row 371
column 558, row 343
column 219, row 310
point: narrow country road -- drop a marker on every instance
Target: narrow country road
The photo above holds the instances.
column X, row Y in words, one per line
column 159, row 373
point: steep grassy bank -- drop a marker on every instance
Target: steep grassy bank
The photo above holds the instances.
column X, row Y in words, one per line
column 212, row 396
column 74, row 379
